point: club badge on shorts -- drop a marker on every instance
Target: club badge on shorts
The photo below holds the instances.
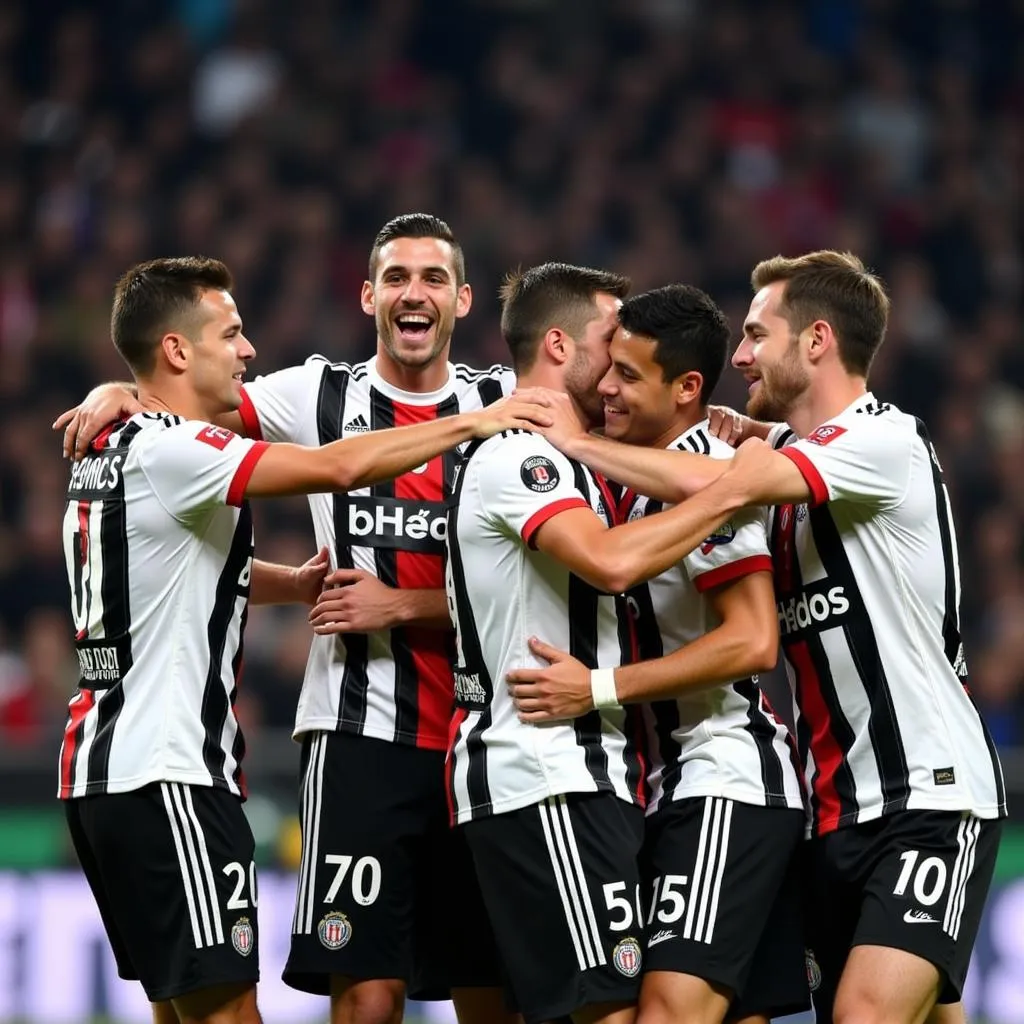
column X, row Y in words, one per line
column 627, row 957
column 334, row 930
column 242, row 936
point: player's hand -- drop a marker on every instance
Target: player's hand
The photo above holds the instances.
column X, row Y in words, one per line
column 354, row 601
column 725, row 424
column 554, row 693
column 565, row 424
column 103, row 405
column 525, row 410
column 309, row 577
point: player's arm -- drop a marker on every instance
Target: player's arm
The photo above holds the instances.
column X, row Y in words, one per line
column 369, row 458
column 617, row 559
column 104, row 404
column 745, row 643
column 271, row 583
column 354, row 601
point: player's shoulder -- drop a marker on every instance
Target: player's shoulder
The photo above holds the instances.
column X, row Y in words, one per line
column 466, row 379
column 506, row 451
column 868, row 421
column 318, row 364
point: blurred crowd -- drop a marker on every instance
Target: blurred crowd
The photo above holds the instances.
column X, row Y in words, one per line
column 665, row 139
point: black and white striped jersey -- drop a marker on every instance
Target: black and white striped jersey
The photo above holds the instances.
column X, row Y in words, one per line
column 502, row 591
column 395, row 684
column 158, row 544
column 868, row 588
column 722, row 742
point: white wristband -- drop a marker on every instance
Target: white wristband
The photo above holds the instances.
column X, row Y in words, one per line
column 602, row 688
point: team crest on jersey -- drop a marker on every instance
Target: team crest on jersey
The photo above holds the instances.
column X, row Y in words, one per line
column 627, row 957
column 725, row 534
column 334, row 930
column 539, row 474
column 215, row 437
column 825, row 434
column 242, row 936
column 813, row 970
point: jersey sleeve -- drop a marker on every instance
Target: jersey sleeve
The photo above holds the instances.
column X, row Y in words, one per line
column 525, row 482
column 274, row 405
column 736, row 549
column 195, row 466
column 780, row 434
column 867, row 462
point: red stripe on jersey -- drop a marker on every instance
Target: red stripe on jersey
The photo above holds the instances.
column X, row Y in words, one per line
column 539, row 518
column 826, row 751
column 79, row 707
column 99, row 441
column 415, row 570
column 461, row 714
column 250, row 418
column 239, row 482
column 733, row 571
column 819, row 492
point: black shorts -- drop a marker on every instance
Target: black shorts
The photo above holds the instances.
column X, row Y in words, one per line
column 724, row 902
column 171, row 868
column 386, row 887
column 915, row 881
column 561, row 883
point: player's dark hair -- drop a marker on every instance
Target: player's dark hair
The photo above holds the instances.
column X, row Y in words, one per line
column 551, row 295
column 690, row 332
column 157, row 297
column 418, row 225
column 835, row 287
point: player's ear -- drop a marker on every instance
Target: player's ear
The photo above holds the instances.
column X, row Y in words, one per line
column 557, row 345
column 176, row 351
column 820, row 340
column 366, row 299
column 463, row 300
column 687, row 387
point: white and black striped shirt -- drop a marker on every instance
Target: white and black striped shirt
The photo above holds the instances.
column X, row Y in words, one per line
column 724, row 742
column 395, row 684
column 868, row 589
column 158, row 545
column 501, row 592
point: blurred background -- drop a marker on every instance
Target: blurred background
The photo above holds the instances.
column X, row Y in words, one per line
column 666, row 139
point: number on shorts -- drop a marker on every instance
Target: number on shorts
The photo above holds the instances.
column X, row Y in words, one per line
column 620, row 904
column 669, row 894
column 365, row 878
column 929, row 878
column 238, row 900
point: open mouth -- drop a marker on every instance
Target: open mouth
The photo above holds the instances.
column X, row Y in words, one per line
column 240, row 376
column 612, row 410
column 413, row 326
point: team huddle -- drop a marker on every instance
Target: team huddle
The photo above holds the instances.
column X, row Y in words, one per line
column 539, row 776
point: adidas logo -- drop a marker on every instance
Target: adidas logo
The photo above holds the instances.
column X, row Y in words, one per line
column 357, row 425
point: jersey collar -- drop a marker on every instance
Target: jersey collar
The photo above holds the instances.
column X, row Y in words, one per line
column 378, row 383
column 681, row 440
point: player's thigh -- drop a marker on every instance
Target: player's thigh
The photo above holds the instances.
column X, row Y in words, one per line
column 181, row 885
column 454, row 945
column 669, row 997
column 561, row 884
column 223, row 1004
column 714, row 870
column 886, row 985
column 365, row 810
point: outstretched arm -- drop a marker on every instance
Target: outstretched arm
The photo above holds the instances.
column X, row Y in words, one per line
column 745, row 643
column 354, row 601
column 288, row 584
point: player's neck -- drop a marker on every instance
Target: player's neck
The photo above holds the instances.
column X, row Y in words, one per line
column 418, row 380
column 819, row 405
column 678, row 426
column 162, row 396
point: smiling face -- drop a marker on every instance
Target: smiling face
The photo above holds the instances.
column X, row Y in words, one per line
column 220, row 353
column 770, row 357
column 640, row 406
column 590, row 359
column 415, row 300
